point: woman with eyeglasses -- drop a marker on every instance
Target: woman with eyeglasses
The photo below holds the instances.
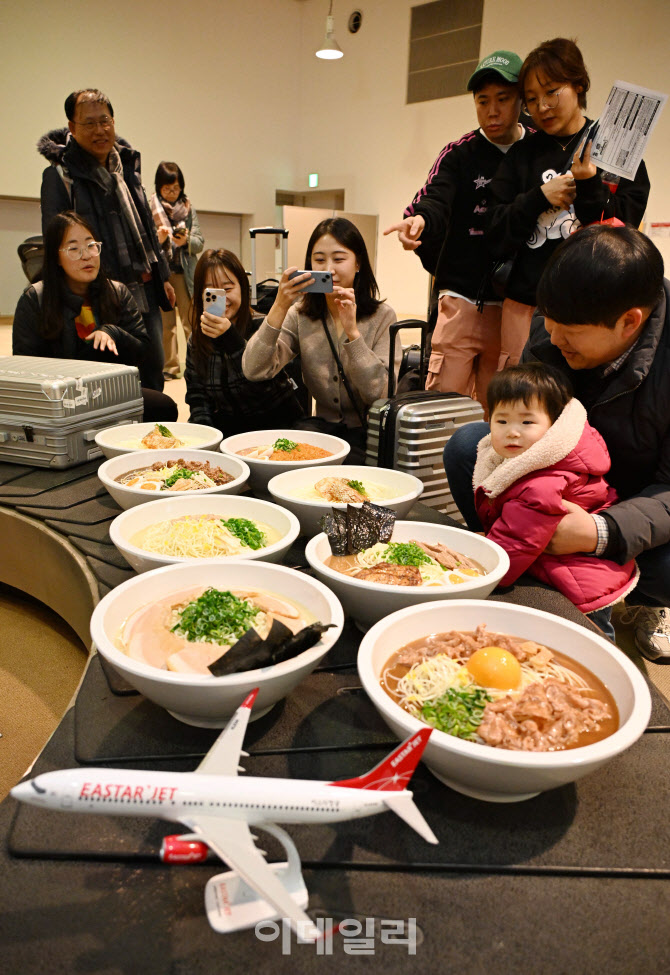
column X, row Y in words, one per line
column 547, row 187
column 76, row 312
column 179, row 235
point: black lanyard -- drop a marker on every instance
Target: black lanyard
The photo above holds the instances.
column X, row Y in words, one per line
column 345, row 381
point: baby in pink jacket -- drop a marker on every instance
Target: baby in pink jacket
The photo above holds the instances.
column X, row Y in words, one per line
column 542, row 451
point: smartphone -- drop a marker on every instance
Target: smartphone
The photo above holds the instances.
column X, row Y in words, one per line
column 214, row 302
column 589, row 136
column 323, row 282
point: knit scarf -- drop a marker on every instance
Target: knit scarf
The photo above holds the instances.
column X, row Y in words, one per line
column 168, row 215
column 133, row 245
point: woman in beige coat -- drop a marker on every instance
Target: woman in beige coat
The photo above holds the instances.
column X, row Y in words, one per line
column 352, row 316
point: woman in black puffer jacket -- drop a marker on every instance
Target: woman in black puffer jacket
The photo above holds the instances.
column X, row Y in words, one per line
column 77, row 312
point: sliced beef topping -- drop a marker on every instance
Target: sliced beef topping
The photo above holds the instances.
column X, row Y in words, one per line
column 546, row 717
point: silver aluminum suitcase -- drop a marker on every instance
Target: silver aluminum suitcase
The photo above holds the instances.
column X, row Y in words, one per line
column 51, row 409
column 408, row 433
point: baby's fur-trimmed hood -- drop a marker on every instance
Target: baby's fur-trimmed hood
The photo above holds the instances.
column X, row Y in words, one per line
column 494, row 474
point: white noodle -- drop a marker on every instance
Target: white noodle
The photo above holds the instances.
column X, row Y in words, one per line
column 431, row 678
column 432, row 573
column 193, row 536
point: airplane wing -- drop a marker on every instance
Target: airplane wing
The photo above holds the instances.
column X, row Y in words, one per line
column 231, row 840
column 224, row 756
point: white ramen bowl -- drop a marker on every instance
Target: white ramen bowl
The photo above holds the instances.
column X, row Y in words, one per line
column 126, row 525
column 404, row 488
column 263, row 470
column 128, row 497
column 125, row 438
column 368, row 602
column 200, row 699
column 497, row 774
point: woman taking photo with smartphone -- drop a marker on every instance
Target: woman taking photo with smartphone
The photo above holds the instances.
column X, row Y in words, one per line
column 547, row 187
column 77, row 312
column 180, row 236
column 217, row 391
column 342, row 337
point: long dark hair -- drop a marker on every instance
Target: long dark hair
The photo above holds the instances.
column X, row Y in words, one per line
column 365, row 286
column 210, row 261
column 100, row 291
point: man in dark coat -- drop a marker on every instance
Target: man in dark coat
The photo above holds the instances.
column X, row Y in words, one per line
column 603, row 319
column 98, row 176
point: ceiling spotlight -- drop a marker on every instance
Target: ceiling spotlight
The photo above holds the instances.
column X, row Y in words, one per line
column 330, row 49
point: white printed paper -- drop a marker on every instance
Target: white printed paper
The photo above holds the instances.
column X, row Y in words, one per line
column 626, row 123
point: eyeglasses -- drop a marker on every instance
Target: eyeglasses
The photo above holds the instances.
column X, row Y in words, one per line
column 74, row 253
column 548, row 100
column 105, row 122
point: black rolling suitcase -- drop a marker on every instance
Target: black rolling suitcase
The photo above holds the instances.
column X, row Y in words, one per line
column 263, row 294
column 408, row 432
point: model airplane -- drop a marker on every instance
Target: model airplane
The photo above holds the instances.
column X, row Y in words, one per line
column 219, row 808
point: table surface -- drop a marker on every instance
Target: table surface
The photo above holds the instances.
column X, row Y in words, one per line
column 574, row 881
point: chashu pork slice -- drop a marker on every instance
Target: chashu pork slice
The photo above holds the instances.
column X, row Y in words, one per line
column 391, row 575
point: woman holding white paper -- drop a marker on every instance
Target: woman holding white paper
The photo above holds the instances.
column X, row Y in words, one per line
column 546, row 186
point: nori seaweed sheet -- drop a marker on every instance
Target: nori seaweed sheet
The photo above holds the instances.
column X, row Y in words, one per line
column 303, row 640
column 335, row 527
column 386, row 520
column 252, row 651
column 358, row 528
column 368, row 525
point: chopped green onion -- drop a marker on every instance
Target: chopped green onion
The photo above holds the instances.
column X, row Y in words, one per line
column 405, row 553
column 216, row 617
column 357, row 486
column 284, row 444
column 177, row 474
column 247, row 531
column 457, row 713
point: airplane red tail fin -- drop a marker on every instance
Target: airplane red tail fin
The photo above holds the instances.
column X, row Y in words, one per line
column 395, row 771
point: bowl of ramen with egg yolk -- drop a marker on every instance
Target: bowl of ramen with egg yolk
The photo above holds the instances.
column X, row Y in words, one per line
column 146, row 475
column 521, row 701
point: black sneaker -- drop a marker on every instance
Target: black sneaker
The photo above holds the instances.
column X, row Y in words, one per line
column 652, row 631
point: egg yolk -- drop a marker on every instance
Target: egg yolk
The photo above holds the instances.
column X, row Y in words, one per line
column 495, row 667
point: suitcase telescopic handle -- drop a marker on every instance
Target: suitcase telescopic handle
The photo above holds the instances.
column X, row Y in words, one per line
column 393, row 331
column 253, row 233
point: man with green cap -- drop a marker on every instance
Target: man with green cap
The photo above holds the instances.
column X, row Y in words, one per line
column 445, row 225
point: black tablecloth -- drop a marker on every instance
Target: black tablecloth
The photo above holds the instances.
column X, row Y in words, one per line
column 572, row 881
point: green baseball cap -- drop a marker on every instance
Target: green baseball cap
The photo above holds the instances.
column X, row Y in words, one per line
column 505, row 63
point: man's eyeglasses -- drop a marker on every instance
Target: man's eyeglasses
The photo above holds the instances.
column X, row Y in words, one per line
column 548, row 100
column 74, row 253
column 105, row 122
